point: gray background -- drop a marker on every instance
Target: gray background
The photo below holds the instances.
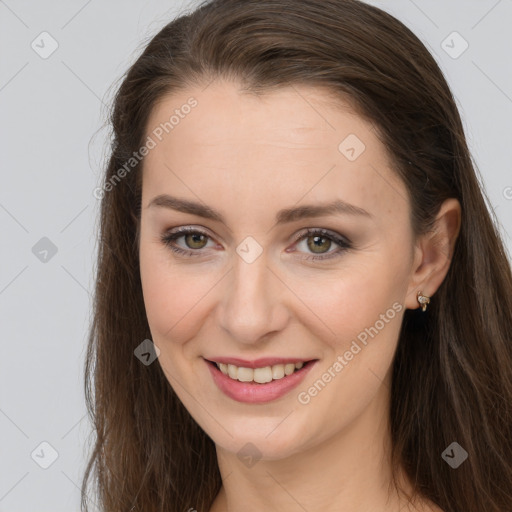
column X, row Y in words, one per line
column 52, row 113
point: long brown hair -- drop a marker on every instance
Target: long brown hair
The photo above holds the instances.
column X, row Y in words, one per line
column 452, row 372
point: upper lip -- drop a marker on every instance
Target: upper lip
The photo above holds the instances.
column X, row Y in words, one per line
column 258, row 363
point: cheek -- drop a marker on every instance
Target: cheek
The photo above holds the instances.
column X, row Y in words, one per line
column 366, row 320
column 174, row 294
column 343, row 304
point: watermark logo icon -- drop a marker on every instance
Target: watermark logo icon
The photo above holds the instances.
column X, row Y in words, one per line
column 351, row 147
column 454, row 45
column 249, row 454
column 44, row 45
column 249, row 249
column 454, row 455
column 147, row 352
column 44, row 455
column 44, row 250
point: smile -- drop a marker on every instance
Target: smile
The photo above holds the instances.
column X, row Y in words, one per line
column 259, row 375
column 260, row 384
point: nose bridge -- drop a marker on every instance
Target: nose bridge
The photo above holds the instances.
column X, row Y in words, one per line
column 251, row 307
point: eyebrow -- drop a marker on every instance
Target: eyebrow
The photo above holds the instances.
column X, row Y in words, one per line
column 283, row 216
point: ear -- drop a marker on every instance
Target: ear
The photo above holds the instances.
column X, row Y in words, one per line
column 433, row 253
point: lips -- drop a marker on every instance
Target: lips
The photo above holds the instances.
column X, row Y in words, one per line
column 246, row 390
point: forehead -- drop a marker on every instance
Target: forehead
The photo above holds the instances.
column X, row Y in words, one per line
column 293, row 143
column 296, row 116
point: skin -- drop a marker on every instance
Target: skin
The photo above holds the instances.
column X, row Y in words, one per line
column 249, row 157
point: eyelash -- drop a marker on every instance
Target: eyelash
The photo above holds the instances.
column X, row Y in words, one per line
column 345, row 244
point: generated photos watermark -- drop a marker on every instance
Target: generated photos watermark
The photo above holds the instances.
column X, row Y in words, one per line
column 151, row 142
column 304, row 397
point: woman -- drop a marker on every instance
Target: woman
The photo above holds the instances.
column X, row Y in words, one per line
column 302, row 302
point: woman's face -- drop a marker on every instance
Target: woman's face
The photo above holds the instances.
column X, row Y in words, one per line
column 250, row 282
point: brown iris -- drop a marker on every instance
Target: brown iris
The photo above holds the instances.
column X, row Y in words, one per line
column 194, row 240
column 314, row 245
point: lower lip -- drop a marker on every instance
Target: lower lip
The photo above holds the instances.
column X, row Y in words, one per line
column 255, row 393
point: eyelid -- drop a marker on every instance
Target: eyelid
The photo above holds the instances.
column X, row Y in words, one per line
column 324, row 231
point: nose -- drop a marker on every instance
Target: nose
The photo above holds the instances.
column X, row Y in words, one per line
column 253, row 304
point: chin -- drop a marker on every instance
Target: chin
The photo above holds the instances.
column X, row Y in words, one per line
column 264, row 438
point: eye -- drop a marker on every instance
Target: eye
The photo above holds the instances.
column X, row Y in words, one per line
column 317, row 240
column 194, row 239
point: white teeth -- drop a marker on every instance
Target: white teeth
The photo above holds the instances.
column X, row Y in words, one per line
column 289, row 368
column 278, row 371
column 232, row 371
column 262, row 375
column 245, row 374
column 259, row 375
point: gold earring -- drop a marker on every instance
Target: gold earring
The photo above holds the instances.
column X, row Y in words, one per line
column 423, row 300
